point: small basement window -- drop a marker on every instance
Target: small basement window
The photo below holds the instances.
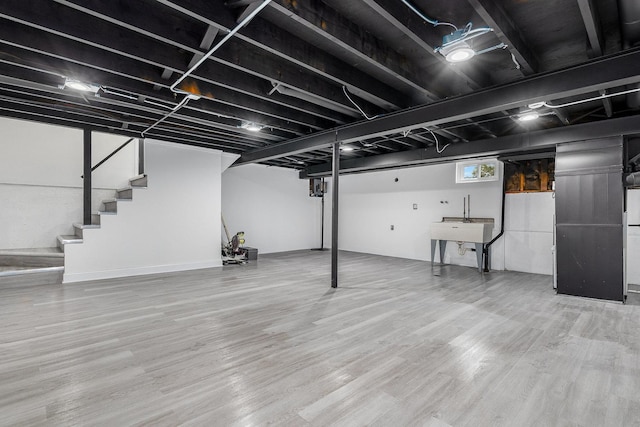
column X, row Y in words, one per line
column 477, row 171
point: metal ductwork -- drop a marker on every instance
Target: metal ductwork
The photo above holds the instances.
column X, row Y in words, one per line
column 633, row 179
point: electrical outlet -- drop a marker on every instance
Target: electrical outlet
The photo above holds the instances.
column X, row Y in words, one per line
column 391, row 227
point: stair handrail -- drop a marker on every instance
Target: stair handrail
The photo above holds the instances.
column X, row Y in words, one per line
column 110, row 155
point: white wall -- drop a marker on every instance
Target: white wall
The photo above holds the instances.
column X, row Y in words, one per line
column 40, row 179
column 172, row 225
column 371, row 202
column 272, row 206
column 633, row 236
column 529, row 232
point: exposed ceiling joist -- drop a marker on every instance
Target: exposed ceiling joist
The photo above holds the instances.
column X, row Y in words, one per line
column 239, row 3
column 616, row 70
column 592, row 25
column 248, row 10
column 496, row 18
column 606, row 102
column 426, row 37
column 145, row 63
column 291, row 48
column 533, row 141
column 294, row 66
column 259, row 63
column 350, row 41
column 297, row 51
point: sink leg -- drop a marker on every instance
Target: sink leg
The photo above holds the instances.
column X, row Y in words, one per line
column 433, row 250
column 479, row 256
column 443, row 246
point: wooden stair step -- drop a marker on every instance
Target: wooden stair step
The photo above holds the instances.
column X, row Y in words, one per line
column 139, row 181
column 124, row 193
column 78, row 228
column 30, row 258
column 111, row 205
column 68, row 240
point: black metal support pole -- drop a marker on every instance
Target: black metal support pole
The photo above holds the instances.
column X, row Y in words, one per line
column 86, row 180
column 334, row 215
column 140, row 156
column 322, row 219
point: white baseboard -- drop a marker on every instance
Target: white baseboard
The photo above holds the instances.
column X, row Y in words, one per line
column 137, row 271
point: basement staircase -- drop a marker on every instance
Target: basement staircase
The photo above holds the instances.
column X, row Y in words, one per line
column 45, row 266
column 110, row 207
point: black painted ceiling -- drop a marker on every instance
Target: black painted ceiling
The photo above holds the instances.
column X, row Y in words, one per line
column 300, row 67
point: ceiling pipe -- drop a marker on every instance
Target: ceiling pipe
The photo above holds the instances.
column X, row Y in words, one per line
column 189, row 95
column 295, row 93
column 170, row 113
column 206, row 56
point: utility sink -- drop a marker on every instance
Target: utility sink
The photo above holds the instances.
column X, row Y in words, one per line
column 472, row 230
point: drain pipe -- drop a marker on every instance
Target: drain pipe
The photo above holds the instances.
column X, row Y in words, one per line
column 485, row 248
column 206, row 56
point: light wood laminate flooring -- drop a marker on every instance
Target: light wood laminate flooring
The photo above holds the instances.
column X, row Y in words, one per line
column 270, row 343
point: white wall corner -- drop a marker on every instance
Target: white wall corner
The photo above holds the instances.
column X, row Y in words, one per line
column 228, row 159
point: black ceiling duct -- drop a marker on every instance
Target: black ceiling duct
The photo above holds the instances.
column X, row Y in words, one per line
column 630, row 25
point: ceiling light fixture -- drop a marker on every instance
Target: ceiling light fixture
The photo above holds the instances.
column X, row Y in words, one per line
column 536, row 105
column 251, row 126
column 80, row 86
column 456, row 49
column 459, row 53
column 528, row 116
column 346, row 148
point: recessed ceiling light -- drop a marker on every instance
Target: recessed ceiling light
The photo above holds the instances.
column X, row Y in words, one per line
column 79, row 85
column 459, row 53
column 251, row 127
column 528, row 116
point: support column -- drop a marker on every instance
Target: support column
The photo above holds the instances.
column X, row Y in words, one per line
column 140, row 156
column 322, row 218
column 334, row 215
column 86, row 180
